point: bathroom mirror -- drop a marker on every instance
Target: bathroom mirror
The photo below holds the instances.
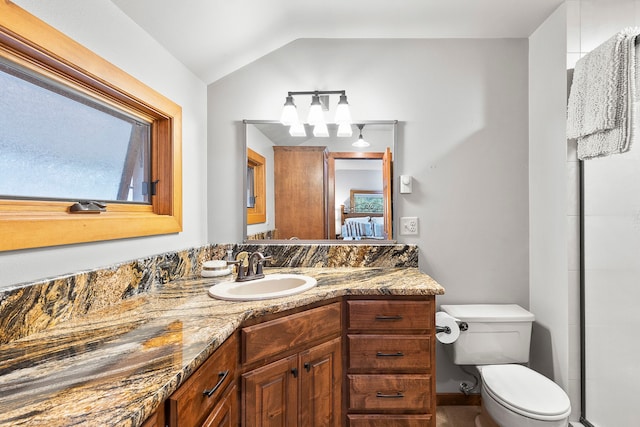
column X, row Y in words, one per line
column 320, row 188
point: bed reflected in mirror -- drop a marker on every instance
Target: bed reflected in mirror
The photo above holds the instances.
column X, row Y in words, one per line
column 320, row 188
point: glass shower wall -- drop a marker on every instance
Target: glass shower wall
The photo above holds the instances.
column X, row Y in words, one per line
column 611, row 242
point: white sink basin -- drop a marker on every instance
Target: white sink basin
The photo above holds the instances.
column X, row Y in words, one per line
column 271, row 286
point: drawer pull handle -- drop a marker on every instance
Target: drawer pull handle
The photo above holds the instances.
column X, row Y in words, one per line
column 387, row 318
column 381, row 354
column 222, row 376
column 398, row 395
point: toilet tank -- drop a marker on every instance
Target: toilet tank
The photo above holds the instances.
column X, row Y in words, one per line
column 497, row 334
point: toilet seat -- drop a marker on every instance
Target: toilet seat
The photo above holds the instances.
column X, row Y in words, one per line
column 525, row 392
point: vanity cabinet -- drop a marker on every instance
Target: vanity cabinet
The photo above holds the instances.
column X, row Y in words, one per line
column 293, row 370
column 390, row 378
column 209, row 396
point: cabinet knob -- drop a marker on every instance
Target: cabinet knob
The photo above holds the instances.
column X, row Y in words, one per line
column 294, row 372
column 307, row 366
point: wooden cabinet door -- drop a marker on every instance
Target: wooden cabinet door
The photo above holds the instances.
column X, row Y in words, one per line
column 225, row 413
column 320, row 385
column 300, row 182
column 270, row 394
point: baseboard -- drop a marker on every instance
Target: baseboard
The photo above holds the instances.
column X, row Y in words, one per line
column 444, row 399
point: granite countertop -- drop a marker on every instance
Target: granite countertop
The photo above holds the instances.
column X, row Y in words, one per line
column 114, row 367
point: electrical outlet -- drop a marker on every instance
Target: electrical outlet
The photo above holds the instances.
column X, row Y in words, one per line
column 408, row 225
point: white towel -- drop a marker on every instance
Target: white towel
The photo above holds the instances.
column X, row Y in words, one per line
column 600, row 110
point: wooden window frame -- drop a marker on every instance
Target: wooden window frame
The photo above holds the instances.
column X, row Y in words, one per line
column 257, row 214
column 27, row 40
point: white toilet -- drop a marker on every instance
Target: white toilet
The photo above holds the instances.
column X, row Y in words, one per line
column 497, row 341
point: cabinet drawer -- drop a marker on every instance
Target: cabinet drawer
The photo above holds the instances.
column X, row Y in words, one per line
column 225, row 414
column 390, row 392
column 409, row 353
column 189, row 405
column 390, row 316
column 389, row 420
column 276, row 336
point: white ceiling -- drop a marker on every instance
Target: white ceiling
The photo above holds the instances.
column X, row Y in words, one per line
column 216, row 37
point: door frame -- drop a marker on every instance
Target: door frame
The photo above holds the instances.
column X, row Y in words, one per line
column 387, row 162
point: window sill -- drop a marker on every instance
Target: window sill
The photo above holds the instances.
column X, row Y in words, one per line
column 53, row 225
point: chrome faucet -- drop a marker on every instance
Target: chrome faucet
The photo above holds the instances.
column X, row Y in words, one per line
column 253, row 270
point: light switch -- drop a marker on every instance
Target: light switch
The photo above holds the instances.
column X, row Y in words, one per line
column 406, row 184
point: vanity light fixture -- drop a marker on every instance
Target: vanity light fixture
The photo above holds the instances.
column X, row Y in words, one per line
column 361, row 141
column 289, row 116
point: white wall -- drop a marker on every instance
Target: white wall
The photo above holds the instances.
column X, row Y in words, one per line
column 463, row 136
column 103, row 28
column 548, row 198
column 347, row 180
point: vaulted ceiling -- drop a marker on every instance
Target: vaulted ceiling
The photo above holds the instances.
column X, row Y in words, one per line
column 216, row 37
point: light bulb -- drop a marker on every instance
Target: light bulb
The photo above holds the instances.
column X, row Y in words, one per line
column 344, row 129
column 289, row 114
column 343, row 113
column 360, row 142
column 297, row 129
column 320, row 130
column 315, row 111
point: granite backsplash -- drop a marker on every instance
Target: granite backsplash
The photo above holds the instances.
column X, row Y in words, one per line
column 28, row 308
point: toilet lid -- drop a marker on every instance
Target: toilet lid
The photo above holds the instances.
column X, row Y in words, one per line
column 526, row 392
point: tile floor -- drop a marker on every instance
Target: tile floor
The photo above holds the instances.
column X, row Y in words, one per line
column 456, row 416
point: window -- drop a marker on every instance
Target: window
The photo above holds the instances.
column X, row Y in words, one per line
column 251, row 183
column 57, row 143
column 73, row 127
column 256, row 188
